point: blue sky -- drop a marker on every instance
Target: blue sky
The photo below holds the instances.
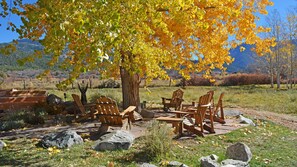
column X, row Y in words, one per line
column 6, row 36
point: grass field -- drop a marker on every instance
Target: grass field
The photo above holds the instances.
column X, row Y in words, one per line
column 272, row 145
column 251, row 96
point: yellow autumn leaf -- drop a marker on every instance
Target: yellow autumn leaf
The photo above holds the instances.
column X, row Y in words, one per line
column 242, row 48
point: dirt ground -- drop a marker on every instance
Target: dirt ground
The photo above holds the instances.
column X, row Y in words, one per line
column 289, row 121
column 139, row 127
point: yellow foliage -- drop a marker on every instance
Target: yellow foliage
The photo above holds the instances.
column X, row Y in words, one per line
column 144, row 37
column 53, row 150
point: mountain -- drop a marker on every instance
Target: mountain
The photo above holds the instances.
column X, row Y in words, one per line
column 242, row 60
column 23, row 48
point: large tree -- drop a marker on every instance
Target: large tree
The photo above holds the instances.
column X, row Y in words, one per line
column 140, row 38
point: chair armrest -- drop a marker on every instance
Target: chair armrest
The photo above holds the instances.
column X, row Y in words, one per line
column 128, row 110
column 180, row 99
column 182, row 112
column 206, row 105
column 166, row 98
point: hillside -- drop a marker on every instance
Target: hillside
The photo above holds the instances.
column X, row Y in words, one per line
column 242, row 60
column 24, row 48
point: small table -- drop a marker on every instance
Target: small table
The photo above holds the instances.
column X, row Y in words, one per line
column 177, row 123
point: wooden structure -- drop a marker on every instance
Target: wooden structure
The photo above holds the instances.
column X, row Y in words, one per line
column 216, row 109
column 86, row 110
column 109, row 114
column 175, row 101
column 194, row 117
column 177, row 123
column 195, row 122
column 21, row 99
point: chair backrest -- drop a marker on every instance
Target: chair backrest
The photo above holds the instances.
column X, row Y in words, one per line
column 220, row 103
column 211, row 92
column 204, row 100
column 78, row 103
column 108, row 111
column 177, row 96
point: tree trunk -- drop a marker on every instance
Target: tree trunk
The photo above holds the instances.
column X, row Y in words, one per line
column 271, row 72
column 278, row 80
column 271, row 81
column 83, row 92
column 130, row 89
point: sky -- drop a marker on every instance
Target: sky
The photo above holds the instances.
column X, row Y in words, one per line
column 6, row 36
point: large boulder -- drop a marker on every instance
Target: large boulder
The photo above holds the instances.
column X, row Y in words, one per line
column 228, row 165
column 64, row 139
column 236, row 163
column 245, row 120
column 176, row 164
column 147, row 165
column 117, row 140
column 137, row 116
column 147, row 113
column 2, row 145
column 53, row 100
column 239, row 151
column 209, row 161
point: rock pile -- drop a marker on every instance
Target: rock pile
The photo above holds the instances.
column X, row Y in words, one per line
column 238, row 155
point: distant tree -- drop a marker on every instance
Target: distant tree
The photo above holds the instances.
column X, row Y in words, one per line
column 275, row 58
column 291, row 35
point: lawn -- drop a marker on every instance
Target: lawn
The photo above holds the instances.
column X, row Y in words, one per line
column 258, row 97
column 271, row 144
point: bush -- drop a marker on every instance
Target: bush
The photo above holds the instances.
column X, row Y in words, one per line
column 12, row 124
column 158, row 141
column 113, row 96
column 19, row 119
column 194, row 81
column 110, row 83
column 35, row 117
column 245, row 79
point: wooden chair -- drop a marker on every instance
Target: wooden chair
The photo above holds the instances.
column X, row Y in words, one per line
column 194, row 117
column 216, row 109
column 109, row 114
column 175, row 101
column 83, row 109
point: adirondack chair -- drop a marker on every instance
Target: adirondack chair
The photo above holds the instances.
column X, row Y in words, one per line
column 194, row 120
column 175, row 101
column 83, row 109
column 109, row 114
column 216, row 109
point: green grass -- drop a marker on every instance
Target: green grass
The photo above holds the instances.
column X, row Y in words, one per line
column 271, row 145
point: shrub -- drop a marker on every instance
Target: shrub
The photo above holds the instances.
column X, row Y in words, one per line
column 158, row 141
column 35, row 117
column 12, row 124
column 113, row 96
column 245, row 79
column 195, row 81
column 110, row 83
column 19, row 119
